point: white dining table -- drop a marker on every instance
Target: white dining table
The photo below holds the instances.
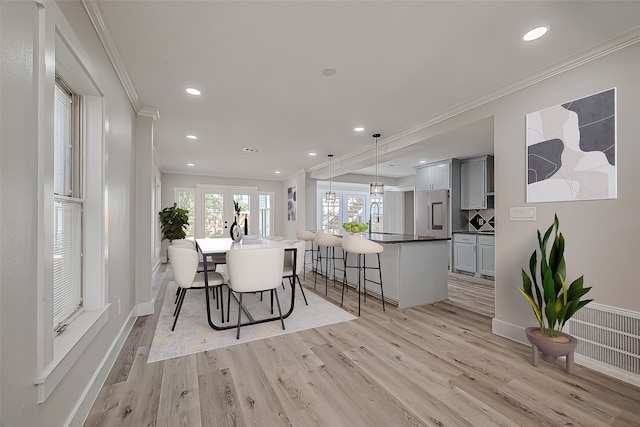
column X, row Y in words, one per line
column 219, row 246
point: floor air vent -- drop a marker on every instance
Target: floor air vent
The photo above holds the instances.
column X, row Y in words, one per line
column 608, row 340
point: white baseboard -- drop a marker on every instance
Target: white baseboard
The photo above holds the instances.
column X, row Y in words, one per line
column 144, row 308
column 607, row 370
column 81, row 410
column 510, row 331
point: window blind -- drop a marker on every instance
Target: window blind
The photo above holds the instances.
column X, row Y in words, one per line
column 67, row 266
column 67, row 214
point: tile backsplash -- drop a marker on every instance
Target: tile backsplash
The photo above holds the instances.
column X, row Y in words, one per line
column 482, row 220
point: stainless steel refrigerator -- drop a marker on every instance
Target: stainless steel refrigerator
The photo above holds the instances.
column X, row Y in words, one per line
column 432, row 213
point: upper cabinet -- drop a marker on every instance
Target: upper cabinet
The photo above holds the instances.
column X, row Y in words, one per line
column 476, row 182
column 434, row 176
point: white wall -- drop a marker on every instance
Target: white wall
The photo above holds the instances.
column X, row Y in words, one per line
column 22, row 200
column 290, row 227
column 601, row 235
column 172, row 180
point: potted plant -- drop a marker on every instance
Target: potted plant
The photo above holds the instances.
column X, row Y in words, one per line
column 552, row 301
column 173, row 222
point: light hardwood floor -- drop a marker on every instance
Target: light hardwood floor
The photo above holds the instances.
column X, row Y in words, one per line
column 435, row 365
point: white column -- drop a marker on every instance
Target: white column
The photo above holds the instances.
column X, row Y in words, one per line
column 145, row 214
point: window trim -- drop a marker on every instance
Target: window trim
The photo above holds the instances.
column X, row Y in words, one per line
column 193, row 190
column 56, row 355
column 75, row 195
column 272, row 219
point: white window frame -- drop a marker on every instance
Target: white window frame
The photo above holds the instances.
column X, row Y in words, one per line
column 228, row 190
column 177, row 190
column 342, row 196
column 56, row 354
column 272, row 196
column 71, row 196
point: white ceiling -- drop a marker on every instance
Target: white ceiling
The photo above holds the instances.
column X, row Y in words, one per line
column 399, row 64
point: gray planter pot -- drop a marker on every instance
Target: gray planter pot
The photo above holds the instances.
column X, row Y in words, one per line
column 551, row 350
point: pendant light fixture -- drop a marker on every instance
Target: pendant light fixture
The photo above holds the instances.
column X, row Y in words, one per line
column 376, row 188
column 330, row 196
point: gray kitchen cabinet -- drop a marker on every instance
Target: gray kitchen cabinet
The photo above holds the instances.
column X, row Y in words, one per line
column 434, row 176
column 464, row 252
column 476, row 182
column 486, row 255
column 474, row 253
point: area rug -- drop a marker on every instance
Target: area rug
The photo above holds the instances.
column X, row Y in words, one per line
column 193, row 333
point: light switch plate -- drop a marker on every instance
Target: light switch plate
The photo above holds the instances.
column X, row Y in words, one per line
column 522, row 214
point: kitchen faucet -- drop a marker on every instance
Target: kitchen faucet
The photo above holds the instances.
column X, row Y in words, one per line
column 377, row 205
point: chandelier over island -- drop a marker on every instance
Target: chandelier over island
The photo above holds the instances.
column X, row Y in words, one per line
column 376, row 188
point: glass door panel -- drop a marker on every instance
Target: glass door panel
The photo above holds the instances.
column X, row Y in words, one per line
column 331, row 215
column 264, row 215
column 244, row 219
column 214, row 215
column 355, row 208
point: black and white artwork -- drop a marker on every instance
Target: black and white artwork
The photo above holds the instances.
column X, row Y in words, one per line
column 571, row 150
column 291, row 203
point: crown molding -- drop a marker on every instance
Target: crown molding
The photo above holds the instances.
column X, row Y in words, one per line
column 149, row 112
column 610, row 46
column 104, row 33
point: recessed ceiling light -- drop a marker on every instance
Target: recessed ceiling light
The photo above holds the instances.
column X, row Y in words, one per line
column 251, row 150
column 391, row 165
column 192, row 137
column 422, row 162
column 193, row 91
column 328, row 72
column 312, row 154
column 536, row 33
column 359, row 129
column 190, row 164
column 277, row 172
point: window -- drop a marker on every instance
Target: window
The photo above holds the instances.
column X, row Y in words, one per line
column 72, row 296
column 331, row 218
column 355, row 208
column 265, row 214
column 349, row 206
column 244, row 203
column 67, row 207
column 376, row 213
column 186, row 199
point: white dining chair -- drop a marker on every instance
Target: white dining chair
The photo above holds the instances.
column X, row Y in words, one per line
column 255, row 270
column 186, row 242
column 184, row 265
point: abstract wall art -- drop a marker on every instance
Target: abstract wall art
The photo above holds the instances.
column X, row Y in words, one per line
column 571, row 150
column 292, row 197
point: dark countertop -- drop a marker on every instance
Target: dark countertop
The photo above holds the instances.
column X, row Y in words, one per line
column 393, row 237
column 489, row 233
column 400, row 238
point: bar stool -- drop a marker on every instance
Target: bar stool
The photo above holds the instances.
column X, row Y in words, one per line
column 361, row 247
column 307, row 236
column 330, row 242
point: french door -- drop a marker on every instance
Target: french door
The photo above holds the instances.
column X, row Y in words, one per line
column 215, row 210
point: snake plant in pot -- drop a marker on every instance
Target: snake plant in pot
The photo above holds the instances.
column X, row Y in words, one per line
column 553, row 303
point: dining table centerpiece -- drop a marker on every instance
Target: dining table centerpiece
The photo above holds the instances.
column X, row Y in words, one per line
column 235, row 231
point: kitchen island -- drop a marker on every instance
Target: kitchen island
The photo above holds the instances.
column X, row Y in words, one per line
column 414, row 269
